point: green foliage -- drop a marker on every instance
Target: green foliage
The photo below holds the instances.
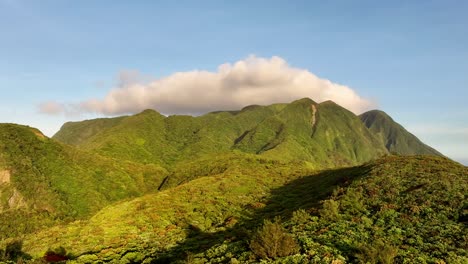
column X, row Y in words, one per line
column 225, row 173
column 13, row 252
column 50, row 182
column 326, row 135
column 272, row 241
column 377, row 252
column 330, row 210
column 395, row 137
column 396, row 208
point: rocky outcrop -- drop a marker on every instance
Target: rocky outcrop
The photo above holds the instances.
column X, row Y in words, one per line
column 5, row 177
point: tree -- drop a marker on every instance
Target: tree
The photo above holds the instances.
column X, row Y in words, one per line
column 272, row 241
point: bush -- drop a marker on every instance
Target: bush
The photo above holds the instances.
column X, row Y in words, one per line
column 272, row 241
column 330, row 210
column 379, row 252
column 13, row 252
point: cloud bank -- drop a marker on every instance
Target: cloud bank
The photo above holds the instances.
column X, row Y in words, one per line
column 253, row 80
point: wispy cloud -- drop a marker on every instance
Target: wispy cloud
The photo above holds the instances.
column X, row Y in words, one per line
column 51, row 108
column 252, row 80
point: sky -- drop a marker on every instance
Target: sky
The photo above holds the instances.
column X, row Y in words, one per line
column 73, row 60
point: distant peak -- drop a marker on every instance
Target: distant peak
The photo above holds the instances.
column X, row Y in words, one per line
column 149, row 112
column 250, row 107
column 304, row 100
column 328, row 102
column 375, row 113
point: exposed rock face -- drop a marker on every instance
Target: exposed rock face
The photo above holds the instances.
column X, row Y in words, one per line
column 11, row 197
column 5, row 176
column 16, row 200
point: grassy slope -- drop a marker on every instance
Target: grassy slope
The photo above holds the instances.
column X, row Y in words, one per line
column 57, row 182
column 395, row 137
column 149, row 137
column 336, row 139
column 280, row 131
column 411, row 208
column 76, row 133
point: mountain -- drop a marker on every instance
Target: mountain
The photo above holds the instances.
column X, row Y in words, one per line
column 392, row 209
column 325, row 135
column 395, row 137
column 45, row 182
column 314, row 178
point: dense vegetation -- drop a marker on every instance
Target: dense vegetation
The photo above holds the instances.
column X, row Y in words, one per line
column 395, row 137
column 286, row 183
column 50, row 182
column 407, row 210
column 325, row 135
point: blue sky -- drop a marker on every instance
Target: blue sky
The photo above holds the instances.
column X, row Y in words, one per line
column 408, row 57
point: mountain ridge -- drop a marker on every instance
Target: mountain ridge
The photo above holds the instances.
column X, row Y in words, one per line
column 276, row 130
column 394, row 136
column 149, row 187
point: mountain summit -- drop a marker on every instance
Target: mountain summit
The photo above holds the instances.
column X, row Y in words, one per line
column 394, row 136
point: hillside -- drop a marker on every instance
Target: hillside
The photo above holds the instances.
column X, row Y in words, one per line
column 167, row 189
column 43, row 182
column 394, row 208
column 325, row 135
column 395, row 137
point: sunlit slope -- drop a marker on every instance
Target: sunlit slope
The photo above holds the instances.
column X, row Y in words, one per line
column 44, row 178
column 325, row 135
column 394, row 208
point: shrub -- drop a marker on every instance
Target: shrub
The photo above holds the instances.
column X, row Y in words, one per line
column 378, row 252
column 330, row 210
column 272, row 241
column 300, row 217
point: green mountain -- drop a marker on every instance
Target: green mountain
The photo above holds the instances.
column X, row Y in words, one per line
column 313, row 179
column 43, row 182
column 395, row 137
column 395, row 209
column 325, row 135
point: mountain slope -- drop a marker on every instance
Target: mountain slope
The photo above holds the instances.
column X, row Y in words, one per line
column 325, row 135
column 394, row 208
column 395, row 137
column 44, row 181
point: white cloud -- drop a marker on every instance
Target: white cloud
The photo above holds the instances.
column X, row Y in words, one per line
column 51, row 108
column 253, row 80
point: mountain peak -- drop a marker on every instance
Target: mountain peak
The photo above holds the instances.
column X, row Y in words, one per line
column 395, row 137
column 305, row 100
column 149, row 112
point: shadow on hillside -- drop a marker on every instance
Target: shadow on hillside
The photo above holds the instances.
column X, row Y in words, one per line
column 303, row 193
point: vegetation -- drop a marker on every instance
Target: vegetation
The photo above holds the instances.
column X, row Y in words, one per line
column 286, row 183
column 272, row 241
column 325, row 135
column 395, row 137
column 50, row 182
column 396, row 209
